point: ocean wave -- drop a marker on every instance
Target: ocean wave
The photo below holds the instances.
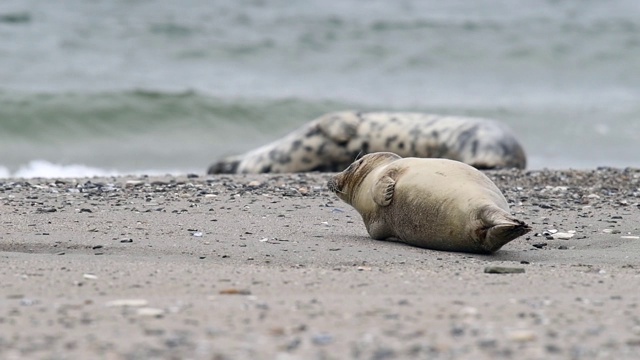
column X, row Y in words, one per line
column 141, row 129
column 126, row 132
column 47, row 169
column 63, row 115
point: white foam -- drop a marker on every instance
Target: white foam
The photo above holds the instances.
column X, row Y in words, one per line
column 46, row 169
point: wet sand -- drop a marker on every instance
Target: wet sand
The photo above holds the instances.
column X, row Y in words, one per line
column 276, row 267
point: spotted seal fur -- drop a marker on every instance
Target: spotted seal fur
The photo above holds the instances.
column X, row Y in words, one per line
column 437, row 204
column 332, row 141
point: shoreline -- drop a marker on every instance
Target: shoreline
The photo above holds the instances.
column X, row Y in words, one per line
column 275, row 266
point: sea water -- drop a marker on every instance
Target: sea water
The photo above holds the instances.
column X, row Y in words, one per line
column 163, row 86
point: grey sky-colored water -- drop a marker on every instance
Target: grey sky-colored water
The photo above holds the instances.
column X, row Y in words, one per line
column 563, row 74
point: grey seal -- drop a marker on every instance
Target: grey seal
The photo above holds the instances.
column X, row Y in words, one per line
column 437, row 204
column 332, row 141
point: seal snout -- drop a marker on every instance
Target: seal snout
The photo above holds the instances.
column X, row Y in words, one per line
column 332, row 185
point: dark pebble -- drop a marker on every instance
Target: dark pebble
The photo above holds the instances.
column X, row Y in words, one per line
column 503, row 270
column 383, row 354
column 488, row 343
column 322, row 339
column 554, row 349
column 126, row 240
column 539, row 245
column 293, row 344
column 86, row 211
column 457, row 331
column 235, row 292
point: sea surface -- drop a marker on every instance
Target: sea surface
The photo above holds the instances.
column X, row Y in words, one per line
column 97, row 87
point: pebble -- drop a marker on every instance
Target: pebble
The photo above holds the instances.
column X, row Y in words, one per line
column 28, row 302
column 503, row 270
column 235, row 292
column 322, row 339
column 629, row 237
column 562, row 236
column 127, row 302
column 197, row 234
column 521, row 336
column 149, row 311
column 133, row 183
column 89, row 276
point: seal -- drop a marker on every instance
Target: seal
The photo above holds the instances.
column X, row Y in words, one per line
column 332, row 141
column 438, row 204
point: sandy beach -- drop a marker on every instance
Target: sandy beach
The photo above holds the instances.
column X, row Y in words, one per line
column 276, row 267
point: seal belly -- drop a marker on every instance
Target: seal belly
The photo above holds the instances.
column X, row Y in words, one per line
column 439, row 209
column 431, row 220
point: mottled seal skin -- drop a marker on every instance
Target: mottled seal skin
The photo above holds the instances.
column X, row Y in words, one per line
column 331, row 142
column 437, row 204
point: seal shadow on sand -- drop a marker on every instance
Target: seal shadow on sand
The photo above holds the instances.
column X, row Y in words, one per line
column 597, row 251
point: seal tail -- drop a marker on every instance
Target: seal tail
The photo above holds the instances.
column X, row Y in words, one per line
column 500, row 230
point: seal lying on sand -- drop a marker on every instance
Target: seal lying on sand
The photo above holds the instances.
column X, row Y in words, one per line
column 431, row 203
column 331, row 142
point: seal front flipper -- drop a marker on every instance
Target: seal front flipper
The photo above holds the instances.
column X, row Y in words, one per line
column 383, row 190
column 377, row 230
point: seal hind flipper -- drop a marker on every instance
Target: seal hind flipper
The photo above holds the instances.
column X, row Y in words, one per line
column 383, row 190
column 225, row 166
column 502, row 229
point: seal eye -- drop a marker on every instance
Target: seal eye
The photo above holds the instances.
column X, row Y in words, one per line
column 354, row 165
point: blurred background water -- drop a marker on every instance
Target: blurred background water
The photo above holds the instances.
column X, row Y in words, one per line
column 92, row 87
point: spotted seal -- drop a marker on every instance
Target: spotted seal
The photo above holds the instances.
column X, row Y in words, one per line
column 437, row 204
column 332, row 141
